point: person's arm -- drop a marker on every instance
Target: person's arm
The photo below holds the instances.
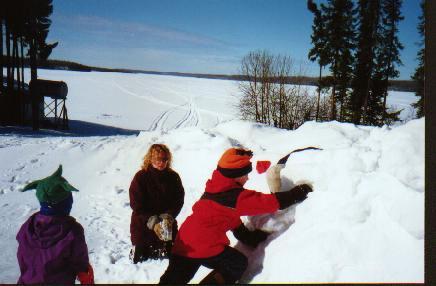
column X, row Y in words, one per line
column 249, row 237
column 179, row 197
column 255, row 203
column 138, row 198
column 295, row 195
column 251, row 203
column 79, row 259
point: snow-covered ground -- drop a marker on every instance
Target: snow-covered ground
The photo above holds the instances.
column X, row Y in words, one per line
column 364, row 222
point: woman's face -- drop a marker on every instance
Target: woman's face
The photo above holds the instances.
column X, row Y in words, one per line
column 159, row 160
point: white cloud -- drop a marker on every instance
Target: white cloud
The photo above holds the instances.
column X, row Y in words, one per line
column 118, row 30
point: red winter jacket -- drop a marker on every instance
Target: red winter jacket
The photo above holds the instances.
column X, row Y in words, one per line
column 203, row 233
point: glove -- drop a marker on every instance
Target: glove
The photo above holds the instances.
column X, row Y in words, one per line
column 168, row 217
column 250, row 238
column 301, row 192
column 152, row 221
column 86, row 277
column 295, row 195
column 164, row 229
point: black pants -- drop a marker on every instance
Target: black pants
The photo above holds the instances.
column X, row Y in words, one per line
column 230, row 263
column 144, row 252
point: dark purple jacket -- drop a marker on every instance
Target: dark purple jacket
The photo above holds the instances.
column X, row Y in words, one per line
column 51, row 249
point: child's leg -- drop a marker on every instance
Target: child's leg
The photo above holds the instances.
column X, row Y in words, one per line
column 230, row 263
column 180, row 270
column 140, row 253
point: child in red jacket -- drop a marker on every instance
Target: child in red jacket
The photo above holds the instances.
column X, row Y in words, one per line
column 202, row 238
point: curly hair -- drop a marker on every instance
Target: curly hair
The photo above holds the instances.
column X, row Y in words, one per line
column 153, row 151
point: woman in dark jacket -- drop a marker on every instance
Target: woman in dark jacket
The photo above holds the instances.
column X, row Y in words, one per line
column 156, row 197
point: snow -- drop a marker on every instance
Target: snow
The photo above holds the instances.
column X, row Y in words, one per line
column 364, row 221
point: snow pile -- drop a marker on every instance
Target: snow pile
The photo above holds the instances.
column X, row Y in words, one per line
column 364, row 222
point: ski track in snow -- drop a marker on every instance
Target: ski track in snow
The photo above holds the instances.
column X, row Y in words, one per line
column 190, row 118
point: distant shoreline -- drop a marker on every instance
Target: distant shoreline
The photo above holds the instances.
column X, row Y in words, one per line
column 395, row 85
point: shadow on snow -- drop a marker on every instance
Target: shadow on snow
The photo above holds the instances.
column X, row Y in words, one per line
column 78, row 128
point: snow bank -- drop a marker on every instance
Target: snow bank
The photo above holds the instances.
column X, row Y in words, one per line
column 364, row 222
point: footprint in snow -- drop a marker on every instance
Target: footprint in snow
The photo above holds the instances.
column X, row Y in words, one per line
column 20, row 168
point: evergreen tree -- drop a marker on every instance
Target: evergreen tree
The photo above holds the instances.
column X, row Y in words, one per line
column 418, row 76
column 389, row 46
column 386, row 57
column 340, row 24
column 2, row 16
column 333, row 38
column 362, row 103
column 38, row 24
column 319, row 51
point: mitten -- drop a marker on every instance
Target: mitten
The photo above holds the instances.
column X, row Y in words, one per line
column 295, row 195
column 86, row 277
column 152, row 221
column 164, row 229
column 301, row 192
column 168, row 217
column 250, row 238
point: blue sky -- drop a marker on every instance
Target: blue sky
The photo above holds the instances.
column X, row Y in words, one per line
column 198, row 36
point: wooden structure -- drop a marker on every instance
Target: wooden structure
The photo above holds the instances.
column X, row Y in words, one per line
column 52, row 97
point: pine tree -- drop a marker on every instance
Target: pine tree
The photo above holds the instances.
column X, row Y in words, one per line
column 418, row 76
column 362, row 103
column 341, row 27
column 333, row 38
column 389, row 46
column 319, row 51
column 2, row 16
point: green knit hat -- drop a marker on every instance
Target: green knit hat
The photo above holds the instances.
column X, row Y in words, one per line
column 51, row 189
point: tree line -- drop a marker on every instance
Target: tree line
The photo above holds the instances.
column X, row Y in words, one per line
column 358, row 42
column 24, row 27
column 418, row 76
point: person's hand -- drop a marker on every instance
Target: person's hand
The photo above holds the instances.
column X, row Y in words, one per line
column 257, row 236
column 86, row 277
column 164, row 229
column 249, row 237
column 152, row 221
column 301, row 191
column 168, row 217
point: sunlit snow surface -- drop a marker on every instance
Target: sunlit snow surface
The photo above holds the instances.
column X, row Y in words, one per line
column 364, row 222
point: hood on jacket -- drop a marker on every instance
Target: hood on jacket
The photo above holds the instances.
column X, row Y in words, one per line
column 42, row 231
column 219, row 183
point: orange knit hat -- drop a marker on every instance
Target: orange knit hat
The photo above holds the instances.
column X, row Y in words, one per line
column 235, row 162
